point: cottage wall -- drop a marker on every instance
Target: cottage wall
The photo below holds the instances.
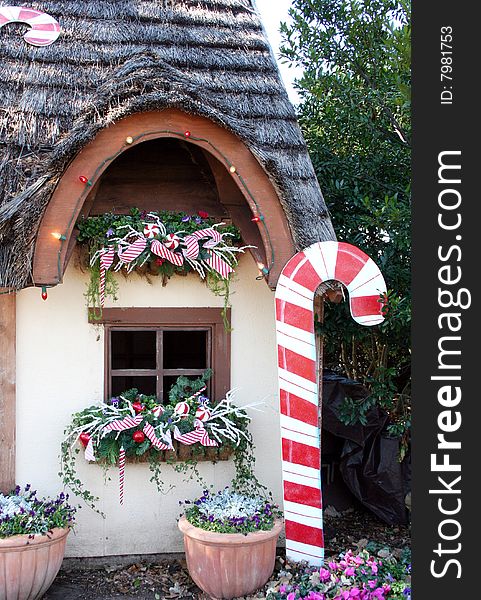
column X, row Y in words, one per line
column 60, row 370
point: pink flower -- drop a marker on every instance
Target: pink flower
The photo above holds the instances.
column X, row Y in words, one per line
column 324, row 574
column 291, row 596
column 282, row 589
column 372, row 583
column 374, row 569
column 354, row 593
column 333, row 565
column 349, row 572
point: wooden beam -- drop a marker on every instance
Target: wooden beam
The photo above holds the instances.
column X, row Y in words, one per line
column 7, row 390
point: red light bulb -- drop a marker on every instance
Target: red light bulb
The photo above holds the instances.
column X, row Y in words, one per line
column 187, row 134
column 257, row 219
column 83, row 179
column 44, row 293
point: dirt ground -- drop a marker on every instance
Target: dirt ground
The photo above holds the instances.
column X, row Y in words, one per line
column 169, row 579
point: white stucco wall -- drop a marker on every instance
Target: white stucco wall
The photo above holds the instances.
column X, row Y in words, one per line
column 60, row 366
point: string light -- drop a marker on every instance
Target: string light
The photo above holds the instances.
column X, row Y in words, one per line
column 44, row 293
column 129, row 140
column 186, row 134
column 58, row 236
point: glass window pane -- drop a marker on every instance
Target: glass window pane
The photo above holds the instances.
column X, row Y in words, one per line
column 145, row 385
column 134, row 349
column 185, row 349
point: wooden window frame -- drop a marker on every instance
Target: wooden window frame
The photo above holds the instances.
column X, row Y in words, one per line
column 209, row 319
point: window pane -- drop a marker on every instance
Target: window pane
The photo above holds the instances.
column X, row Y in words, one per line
column 185, row 349
column 145, row 385
column 134, row 350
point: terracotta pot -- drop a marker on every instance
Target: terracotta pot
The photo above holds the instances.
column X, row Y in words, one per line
column 227, row 565
column 29, row 566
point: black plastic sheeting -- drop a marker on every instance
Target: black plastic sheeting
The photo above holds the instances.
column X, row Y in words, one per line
column 369, row 461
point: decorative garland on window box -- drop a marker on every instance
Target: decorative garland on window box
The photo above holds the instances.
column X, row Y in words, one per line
column 158, row 244
column 181, row 432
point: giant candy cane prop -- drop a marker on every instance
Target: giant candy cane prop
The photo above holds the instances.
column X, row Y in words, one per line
column 44, row 28
column 299, row 393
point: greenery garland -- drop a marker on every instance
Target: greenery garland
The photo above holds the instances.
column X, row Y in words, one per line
column 103, row 231
column 226, row 423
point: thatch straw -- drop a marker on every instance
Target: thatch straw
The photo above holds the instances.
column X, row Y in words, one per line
column 116, row 58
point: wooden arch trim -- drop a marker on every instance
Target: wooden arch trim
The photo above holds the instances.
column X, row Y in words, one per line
column 51, row 254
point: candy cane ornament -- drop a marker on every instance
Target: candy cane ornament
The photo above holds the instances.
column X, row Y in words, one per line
column 121, row 474
column 44, row 28
column 299, row 388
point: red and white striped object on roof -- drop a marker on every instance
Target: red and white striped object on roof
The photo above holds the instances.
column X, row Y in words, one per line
column 44, row 28
column 298, row 384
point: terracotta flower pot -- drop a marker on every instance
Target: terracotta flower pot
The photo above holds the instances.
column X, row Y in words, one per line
column 227, row 565
column 29, row 566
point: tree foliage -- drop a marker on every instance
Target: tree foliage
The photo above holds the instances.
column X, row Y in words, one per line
column 355, row 115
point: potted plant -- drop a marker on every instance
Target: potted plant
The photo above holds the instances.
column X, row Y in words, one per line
column 230, row 542
column 33, row 533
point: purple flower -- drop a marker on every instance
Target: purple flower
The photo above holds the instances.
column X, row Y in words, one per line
column 114, row 401
column 110, row 232
column 185, row 219
column 198, row 220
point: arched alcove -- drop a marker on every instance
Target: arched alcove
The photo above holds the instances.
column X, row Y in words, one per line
column 165, row 160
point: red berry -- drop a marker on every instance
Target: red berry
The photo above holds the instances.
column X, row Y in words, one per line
column 138, row 436
column 84, row 438
column 138, row 407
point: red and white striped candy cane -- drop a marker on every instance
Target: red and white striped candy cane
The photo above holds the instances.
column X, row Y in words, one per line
column 160, row 250
column 106, row 260
column 299, row 388
column 44, row 28
column 121, row 474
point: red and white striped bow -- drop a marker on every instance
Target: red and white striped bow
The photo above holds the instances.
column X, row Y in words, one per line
column 106, row 260
column 155, row 441
column 160, row 250
column 198, row 435
column 133, row 251
column 122, row 424
column 215, row 262
column 192, row 241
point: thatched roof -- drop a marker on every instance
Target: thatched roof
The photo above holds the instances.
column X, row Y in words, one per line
column 118, row 57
